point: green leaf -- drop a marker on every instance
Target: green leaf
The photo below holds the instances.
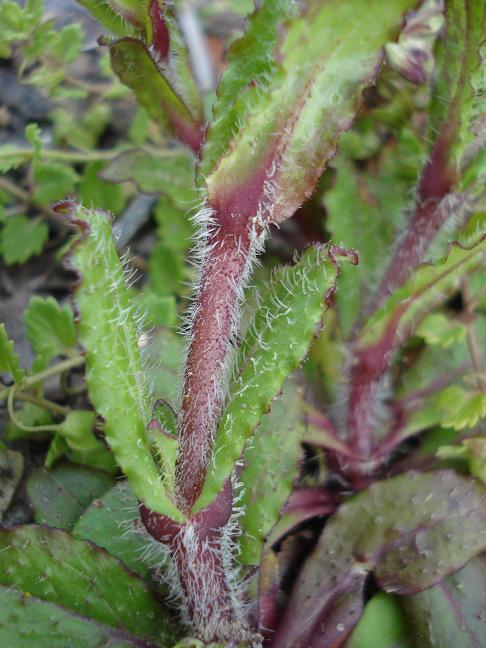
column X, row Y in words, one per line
column 26, row 620
column 401, row 313
column 173, row 226
column 383, row 625
column 166, row 361
column 11, row 157
column 170, row 172
column 458, row 98
column 409, row 531
column 53, row 566
column 171, row 101
column 452, row 407
column 439, row 329
column 59, row 496
column 65, row 45
column 108, row 17
column 22, row 238
column 9, row 360
column 289, row 316
column 93, row 191
column 459, row 408
column 108, row 331
column 160, row 310
column 53, row 181
column 364, row 210
column 266, row 483
column 452, row 612
column 292, row 85
column 167, row 270
column 11, row 470
column 76, row 440
column 33, row 136
column 113, row 523
column 49, row 327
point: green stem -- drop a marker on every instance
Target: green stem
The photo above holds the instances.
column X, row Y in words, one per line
column 19, row 424
column 65, row 365
column 43, row 402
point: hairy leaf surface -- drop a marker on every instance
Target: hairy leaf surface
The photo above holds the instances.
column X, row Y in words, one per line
column 108, row 331
column 267, row 482
column 289, row 316
column 293, row 84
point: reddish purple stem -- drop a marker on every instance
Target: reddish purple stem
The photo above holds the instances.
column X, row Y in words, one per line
column 218, row 295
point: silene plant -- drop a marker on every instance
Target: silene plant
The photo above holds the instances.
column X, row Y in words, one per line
column 318, row 481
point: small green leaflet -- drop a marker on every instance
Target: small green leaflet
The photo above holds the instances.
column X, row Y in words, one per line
column 49, row 327
column 22, row 238
column 9, row 360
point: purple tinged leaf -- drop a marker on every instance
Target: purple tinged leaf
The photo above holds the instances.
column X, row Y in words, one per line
column 160, row 31
column 452, row 124
column 409, row 531
column 136, row 67
column 453, row 612
column 303, row 504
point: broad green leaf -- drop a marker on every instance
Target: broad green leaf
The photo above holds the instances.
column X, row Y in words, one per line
column 108, row 331
column 409, row 531
column 26, row 620
column 11, row 470
column 113, row 523
column 160, row 310
column 93, row 191
column 53, row 182
column 266, row 483
column 53, row 566
column 452, row 612
column 289, row 316
column 59, row 496
column 291, row 87
column 9, row 360
column 383, row 625
column 49, row 327
column 165, row 363
column 22, row 238
column 76, row 440
column 173, row 226
column 170, row 172
column 167, row 270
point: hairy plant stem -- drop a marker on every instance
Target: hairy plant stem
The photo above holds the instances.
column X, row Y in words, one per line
column 222, row 278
